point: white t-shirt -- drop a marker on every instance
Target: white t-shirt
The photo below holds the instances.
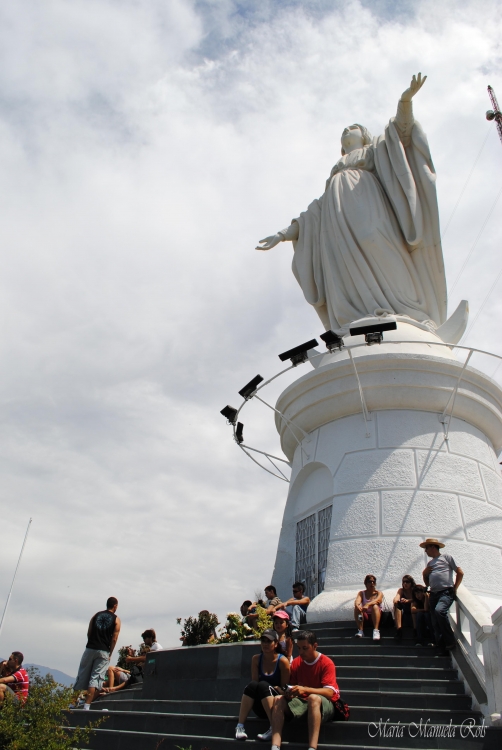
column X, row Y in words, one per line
column 155, row 646
column 123, row 676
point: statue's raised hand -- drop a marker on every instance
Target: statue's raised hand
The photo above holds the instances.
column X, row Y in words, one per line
column 416, row 84
column 269, row 242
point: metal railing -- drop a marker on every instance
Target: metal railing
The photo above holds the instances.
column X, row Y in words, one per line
column 479, row 651
column 302, row 439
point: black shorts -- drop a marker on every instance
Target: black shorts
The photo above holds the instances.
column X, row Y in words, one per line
column 258, row 691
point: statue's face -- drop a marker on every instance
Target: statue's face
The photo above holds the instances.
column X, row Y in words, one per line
column 352, row 138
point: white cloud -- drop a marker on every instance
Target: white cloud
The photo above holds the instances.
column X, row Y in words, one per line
column 146, row 147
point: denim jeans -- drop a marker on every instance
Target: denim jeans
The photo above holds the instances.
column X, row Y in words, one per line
column 440, row 603
column 297, row 616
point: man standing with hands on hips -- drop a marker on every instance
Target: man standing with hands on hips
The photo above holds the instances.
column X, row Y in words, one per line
column 439, row 576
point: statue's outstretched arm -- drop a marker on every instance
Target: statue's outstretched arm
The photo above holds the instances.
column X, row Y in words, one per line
column 404, row 117
column 285, row 235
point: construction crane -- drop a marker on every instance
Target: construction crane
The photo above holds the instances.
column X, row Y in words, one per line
column 495, row 113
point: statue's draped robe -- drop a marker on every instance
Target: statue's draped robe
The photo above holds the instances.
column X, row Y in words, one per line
column 371, row 243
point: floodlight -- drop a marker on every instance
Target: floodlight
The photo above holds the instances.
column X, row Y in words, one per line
column 239, row 432
column 332, row 340
column 250, row 388
column 230, row 414
column 490, row 115
column 299, row 353
column 372, row 329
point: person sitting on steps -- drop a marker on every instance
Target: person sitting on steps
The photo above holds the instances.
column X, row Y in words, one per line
column 15, row 681
column 269, row 670
column 296, row 606
column 282, row 627
column 368, row 608
column 272, row 601
column 116, row 675
column 402, row 605
column 312, row 693
column 151, row 644
column 421, row 616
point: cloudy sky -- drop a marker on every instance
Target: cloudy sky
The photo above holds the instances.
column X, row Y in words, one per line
column 146, row 146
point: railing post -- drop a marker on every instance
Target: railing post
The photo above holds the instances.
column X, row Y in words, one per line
column 487, row 636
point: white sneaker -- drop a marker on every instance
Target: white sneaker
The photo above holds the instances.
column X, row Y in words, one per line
column 266, row 736
column 359, row 634
column 376, row 635
column 240, row 732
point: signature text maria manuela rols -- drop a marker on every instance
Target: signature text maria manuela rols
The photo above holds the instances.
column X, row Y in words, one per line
column 386, row 728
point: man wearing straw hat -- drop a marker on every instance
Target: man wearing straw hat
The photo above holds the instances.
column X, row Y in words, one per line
column 439, row 576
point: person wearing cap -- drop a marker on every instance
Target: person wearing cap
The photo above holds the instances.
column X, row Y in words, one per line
column 438, row 575
column 269, row 670
column 282, row 626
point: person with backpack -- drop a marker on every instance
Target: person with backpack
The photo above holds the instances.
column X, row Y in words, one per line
column 313, row 693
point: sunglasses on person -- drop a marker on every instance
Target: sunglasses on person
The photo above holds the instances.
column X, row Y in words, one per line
column 371, row 580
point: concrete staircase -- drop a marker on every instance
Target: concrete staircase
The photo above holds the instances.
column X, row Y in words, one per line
column 398, row 693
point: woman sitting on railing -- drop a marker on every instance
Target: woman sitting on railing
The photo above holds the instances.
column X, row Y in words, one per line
column 269, row 671
column 421, row 616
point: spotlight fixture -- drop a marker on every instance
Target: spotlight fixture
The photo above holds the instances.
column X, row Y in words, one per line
column 299, row 353
column 373, row 330
column 230, row 414
column 250, row 388
column 332, row 340
column 239, row 436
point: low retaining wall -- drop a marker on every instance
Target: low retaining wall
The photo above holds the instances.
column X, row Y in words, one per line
column 214, row 673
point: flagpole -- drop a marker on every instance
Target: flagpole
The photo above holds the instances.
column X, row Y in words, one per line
column 14, row 577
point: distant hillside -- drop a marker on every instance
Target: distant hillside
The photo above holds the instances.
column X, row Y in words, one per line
column 61, row 677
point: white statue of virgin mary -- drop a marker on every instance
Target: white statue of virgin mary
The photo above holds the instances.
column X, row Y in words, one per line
column 370, row 245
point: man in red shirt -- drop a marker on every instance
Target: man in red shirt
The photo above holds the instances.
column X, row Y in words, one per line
column 312, row 692
column 16, row 684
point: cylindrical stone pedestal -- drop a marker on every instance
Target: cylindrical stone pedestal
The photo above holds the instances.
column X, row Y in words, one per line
column 393, row 481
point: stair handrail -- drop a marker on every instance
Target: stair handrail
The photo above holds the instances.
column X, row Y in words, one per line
column 482, row 649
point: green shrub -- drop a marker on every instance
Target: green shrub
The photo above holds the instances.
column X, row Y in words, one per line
column 39, row 723
column 200, row 629
column 234, row 630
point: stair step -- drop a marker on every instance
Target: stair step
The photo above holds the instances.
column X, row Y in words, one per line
column 452, row 687
column 341, row 736
column 396, row 699
column 391, row 687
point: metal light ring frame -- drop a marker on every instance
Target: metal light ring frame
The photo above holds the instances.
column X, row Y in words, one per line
column 246, row 448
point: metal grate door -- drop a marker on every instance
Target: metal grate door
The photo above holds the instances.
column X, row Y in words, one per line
column 312, row 543
column 323, row 529
column 306, row 554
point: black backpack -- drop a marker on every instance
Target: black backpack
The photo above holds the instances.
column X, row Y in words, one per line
column 342, row 710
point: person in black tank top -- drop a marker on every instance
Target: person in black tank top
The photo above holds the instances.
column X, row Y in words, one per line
column 101, row 630
column 102, row 634
column 269, row 673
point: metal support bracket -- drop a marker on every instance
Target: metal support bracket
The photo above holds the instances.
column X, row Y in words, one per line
column 290, row 426
column 366, row 413
column 445, row 418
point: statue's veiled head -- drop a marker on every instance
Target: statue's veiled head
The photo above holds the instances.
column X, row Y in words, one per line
column 355, row 136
